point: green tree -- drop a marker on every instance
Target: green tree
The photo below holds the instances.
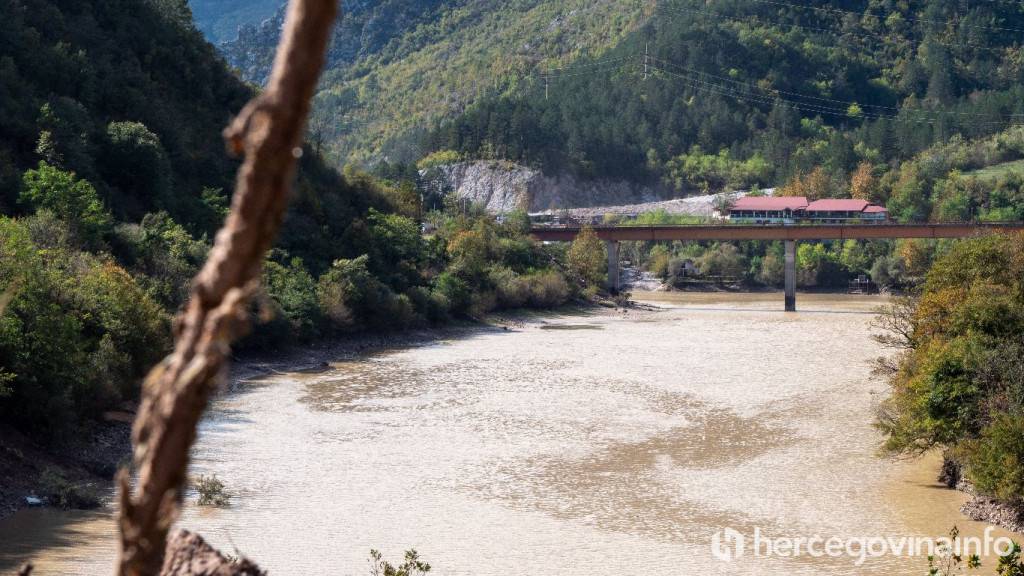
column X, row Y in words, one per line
column 135, row 162
column 71, row 199
column 587, row 259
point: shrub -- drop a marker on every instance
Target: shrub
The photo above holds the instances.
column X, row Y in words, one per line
column 888, row 271
column 71, row 199
column 132, row 144
column 60, row 492
column 723, row 260
column 658, row 261
column 295, row 291
column 548, row 289
column 772, row 272
column 513, row 291
column 958, row 384
column 454, row 292
column 164, row 254
column 439, row 158
column 587, row 259
column 428, row 305
column 70, row 310
column 995, row 462
column 411, row 566
column 212, row 492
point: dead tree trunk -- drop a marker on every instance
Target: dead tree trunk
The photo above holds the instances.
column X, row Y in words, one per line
column 268, row 132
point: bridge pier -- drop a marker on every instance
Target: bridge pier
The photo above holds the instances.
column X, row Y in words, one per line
column 612, row 283
column 790, row 275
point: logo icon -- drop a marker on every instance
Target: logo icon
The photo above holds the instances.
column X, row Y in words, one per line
column 728, row 544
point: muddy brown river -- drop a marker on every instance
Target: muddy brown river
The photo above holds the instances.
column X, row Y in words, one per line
column 590, row 444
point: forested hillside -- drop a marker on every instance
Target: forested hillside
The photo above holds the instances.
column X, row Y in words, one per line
column 746, row 92
column 699, row 95
column 113, row 178
column 398, row 65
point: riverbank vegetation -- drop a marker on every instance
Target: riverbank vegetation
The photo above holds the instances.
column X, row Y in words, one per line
column 946, row 182
column 959, row 370
column 211, row 491
column 112, row 182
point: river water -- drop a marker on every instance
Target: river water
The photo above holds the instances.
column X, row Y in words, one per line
column 586, row 444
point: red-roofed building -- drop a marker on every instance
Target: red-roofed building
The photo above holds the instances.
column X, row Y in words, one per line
column 839, row 210
column 768, row 209
column 795, row 209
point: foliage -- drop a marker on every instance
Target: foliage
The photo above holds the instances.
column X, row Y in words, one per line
column 73, row 200
column 996, row 463
column 113, row 177
column 294, row 292
column 132, row 144
column 411, row 566
column 815, row 185
column 715, row 172
column 959, row 383
column 724, row 261
column 61, row 492
column 863, row 183
column 212, row 492
column 70, row 310
column 586, row 259
column 439, row 158
column 428, row 60
column 1011, row 564
column 796, row 88
column 947, row 561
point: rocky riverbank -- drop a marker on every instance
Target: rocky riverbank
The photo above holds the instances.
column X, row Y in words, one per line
column 980, row 508
column 73, row 473
column 992, row 511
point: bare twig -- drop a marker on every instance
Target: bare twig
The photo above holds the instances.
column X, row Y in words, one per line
column 269, row 132
column 896, row 321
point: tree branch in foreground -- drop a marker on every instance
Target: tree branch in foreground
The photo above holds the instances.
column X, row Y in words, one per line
column 268, row 132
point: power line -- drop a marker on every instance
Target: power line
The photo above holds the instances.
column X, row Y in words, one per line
column 698, row 84
column 880, row 18
column 679, row 10
column 551, row 71
column 761, row 95
column 767, row 100
column 847, row 103
column 587, row 72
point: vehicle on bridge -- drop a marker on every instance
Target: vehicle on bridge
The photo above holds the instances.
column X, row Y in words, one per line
column 797, row 210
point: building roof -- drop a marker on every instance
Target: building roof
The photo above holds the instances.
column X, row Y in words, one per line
column 875, row 209
column 770, row 203
column 838, row 205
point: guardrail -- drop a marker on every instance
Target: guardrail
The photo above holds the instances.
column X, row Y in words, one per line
column 778, row 231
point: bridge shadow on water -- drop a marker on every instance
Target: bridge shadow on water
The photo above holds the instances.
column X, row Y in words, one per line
column 779, row 311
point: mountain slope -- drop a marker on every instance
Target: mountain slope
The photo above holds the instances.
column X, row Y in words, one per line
column 740, row 93
column 220, row 20
column 113, row 177
column 397, row 65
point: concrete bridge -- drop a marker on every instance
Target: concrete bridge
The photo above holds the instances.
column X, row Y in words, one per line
column 790, row 234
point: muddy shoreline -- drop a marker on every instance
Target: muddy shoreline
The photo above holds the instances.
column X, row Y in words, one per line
column 90, row 462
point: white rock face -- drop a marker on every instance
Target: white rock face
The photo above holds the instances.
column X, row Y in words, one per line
column 505, row 186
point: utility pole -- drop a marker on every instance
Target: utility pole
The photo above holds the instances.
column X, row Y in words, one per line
column 647, row 55
column 547, row 80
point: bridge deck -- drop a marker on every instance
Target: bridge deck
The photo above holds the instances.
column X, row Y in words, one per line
column 778, row 232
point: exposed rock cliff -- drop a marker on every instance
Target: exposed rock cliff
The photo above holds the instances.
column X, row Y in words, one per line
column 504, row 186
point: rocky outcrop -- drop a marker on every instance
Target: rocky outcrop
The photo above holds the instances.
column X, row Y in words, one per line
column 505, row 186
column 1007, row 515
